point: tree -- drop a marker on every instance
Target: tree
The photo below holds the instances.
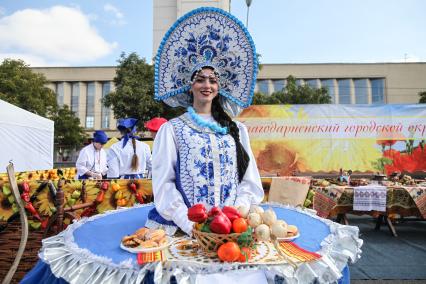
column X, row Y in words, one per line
column 27, row 90
column 134, row 93
column 68, row 132
column 294, row 94
column 422, row 96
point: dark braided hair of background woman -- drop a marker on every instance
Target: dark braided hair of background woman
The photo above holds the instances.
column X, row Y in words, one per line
column 224, row 120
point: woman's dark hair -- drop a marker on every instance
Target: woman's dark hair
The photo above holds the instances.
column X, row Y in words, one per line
column 224, row 120
column 135, row 159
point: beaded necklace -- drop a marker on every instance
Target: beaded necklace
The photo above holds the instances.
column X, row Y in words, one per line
column 204, row 123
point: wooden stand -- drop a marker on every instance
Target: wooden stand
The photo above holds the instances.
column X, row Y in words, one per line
column 385, row 217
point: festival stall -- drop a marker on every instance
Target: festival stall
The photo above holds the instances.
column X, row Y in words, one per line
column 88, row 199
column 26, row 139
column 320, row 252
column 96, row 231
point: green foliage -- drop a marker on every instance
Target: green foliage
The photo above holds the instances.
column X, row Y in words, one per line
column 68, row 132
column 246, row 238
column 134, row 93
column 294, row 94
column 25, row 89
column 422, row 96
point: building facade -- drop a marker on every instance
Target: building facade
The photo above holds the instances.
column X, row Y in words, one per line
column 351, row 83
column 82, row 88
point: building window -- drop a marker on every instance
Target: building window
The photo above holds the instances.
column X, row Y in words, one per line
column 105, row 111
column 344, row 86
column 60, row 93
column 313, row 83
column 329, row 85
column 75, row 94
column 90, row 122
column 377, row 91
column 90, row 105
column 299, row 82
column 361, row 91
column 263, row 86
column 279, row 85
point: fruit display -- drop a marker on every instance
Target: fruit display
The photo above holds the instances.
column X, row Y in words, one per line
column 42, row 175
column 83, row 198
column 232, row 233
column 221, row 230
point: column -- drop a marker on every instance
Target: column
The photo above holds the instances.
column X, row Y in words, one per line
column 98, row 105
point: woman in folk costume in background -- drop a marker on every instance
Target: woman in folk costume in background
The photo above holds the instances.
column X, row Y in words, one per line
column 206, row 63
column 128, row 158
column 92, row 159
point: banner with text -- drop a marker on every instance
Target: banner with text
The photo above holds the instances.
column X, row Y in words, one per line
column 326, row 138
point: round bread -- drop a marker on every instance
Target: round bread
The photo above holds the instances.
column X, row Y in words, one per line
column 155, row 235
column 141, row 233
column 292, row 230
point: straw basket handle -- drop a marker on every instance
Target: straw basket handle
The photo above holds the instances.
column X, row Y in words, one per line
column 24, row 224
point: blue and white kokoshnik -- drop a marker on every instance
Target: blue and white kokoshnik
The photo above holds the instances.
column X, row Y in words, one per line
column 207, row 37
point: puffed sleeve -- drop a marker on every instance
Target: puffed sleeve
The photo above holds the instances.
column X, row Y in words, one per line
column 168, row 200
column 113, row 162
column 250, row 190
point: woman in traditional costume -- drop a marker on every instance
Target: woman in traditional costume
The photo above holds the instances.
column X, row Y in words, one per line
column 92, row 159
column 128, row 158
column 206, row 63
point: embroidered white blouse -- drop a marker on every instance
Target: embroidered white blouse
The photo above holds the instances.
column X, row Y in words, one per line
column 120, row 159
column 90, row 159
column 169, row 201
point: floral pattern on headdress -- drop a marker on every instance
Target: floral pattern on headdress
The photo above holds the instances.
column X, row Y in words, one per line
column 207, row 37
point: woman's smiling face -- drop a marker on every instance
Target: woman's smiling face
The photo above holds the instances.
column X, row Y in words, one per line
column 205, row 87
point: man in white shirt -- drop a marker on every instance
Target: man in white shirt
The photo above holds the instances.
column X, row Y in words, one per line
column 92, row 160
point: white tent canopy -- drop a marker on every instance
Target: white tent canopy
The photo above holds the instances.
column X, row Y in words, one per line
column 26, row 139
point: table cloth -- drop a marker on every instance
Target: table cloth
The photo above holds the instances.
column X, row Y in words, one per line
column 88, row 252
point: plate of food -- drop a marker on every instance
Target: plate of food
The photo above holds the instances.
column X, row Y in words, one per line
column 292, row 233
column 146, row 240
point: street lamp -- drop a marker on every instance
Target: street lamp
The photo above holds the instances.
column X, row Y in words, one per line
column 248, row 2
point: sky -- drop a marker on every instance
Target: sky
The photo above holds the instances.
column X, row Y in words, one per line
column 96, row 32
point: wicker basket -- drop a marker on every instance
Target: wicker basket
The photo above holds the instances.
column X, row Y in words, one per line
column 9, row 240
column 210, row 242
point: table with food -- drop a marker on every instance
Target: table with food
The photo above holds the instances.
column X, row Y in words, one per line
column 265, row 243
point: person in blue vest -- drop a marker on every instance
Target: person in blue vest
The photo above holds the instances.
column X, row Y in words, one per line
column 207, row 64
column 128, row 158
column 92, row 159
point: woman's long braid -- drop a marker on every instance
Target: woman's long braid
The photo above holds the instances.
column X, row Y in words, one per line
column 135, row 158
column 224, row 120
